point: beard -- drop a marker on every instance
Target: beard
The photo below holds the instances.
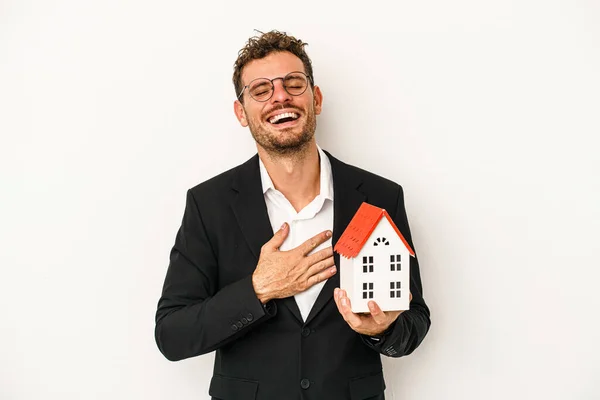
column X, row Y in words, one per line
column 286, row 141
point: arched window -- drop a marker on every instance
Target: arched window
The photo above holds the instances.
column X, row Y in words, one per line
column 381, row 240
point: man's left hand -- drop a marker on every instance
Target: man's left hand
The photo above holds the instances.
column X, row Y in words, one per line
column 374, row 323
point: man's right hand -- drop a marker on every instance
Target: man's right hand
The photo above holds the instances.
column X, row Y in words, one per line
column 281, row 274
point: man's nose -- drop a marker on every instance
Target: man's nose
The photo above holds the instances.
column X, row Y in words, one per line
column 280, row 95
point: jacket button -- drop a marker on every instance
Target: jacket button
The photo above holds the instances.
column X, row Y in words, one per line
column 244, row 321
column 234, row 327
column 250, row 316
column 305, row 332
column 304, row 383
column 239, row 324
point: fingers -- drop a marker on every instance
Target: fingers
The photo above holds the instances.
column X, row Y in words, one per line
column 378, row 315
column 368, row 324
column 381, row 318
column 345, row 308
column 320, row 271
column 313, row 242
column 319, row 255
column 277, row 240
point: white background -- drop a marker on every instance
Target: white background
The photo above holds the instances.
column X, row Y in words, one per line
column 486, row 112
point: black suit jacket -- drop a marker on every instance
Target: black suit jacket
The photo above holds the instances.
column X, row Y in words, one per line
column 268, row 352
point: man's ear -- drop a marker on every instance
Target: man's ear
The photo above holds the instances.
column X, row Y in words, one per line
column 240, row 113
column 318, row 100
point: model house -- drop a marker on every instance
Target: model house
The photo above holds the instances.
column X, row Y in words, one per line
column 374, row 261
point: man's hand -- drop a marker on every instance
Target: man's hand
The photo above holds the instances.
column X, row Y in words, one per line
column 281, row 274
column 371, row 324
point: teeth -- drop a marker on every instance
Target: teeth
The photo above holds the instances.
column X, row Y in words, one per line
column 284, row 115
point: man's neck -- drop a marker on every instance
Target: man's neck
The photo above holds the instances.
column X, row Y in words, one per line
column 295, row 175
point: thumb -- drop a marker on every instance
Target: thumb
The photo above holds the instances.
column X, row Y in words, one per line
column 279, row 237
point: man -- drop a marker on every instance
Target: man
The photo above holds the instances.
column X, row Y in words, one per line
column 252, row 273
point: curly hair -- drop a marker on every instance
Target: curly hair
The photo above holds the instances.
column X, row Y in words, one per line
column 261, row 46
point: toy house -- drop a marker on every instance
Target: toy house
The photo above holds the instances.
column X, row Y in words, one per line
column 374, row 261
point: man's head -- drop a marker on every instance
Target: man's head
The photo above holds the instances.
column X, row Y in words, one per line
column 273, row 78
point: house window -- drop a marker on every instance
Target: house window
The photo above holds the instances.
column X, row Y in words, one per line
column 367, row 290
column 381, row 240
column 395, row 262
column 367, row 264
column 395, row 290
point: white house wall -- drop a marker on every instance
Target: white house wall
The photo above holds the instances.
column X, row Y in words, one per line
column 347, row 275
column 382, row 276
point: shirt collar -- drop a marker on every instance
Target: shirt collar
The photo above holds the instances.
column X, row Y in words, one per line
column 326, row 177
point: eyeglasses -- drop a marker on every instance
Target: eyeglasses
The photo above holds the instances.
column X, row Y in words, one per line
column 262, row 89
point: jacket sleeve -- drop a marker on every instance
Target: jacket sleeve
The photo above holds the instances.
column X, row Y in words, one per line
column 194, row 315
column 411, row 326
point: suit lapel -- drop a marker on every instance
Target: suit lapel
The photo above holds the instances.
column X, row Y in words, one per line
column 346, row 201
column 249, row 206
column 252, row 216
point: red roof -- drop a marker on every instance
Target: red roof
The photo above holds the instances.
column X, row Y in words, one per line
column 360, row 228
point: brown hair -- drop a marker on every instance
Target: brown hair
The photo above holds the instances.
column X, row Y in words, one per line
column 261, row 46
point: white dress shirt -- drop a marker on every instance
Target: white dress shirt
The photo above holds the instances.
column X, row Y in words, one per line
column 316, row 217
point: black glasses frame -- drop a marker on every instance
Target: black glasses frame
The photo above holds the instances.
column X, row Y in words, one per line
column 308, row 79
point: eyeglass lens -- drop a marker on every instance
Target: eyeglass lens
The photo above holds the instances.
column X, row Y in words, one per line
column 262, row 89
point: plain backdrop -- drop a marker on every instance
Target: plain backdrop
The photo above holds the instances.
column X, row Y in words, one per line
column 487, row 113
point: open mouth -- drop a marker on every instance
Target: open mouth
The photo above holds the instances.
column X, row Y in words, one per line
column 284, row 119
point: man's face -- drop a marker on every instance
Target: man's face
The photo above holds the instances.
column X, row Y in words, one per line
column 271, row 133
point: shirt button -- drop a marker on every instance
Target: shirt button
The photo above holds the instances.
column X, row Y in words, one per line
column 304, row 383
column 305, row 332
